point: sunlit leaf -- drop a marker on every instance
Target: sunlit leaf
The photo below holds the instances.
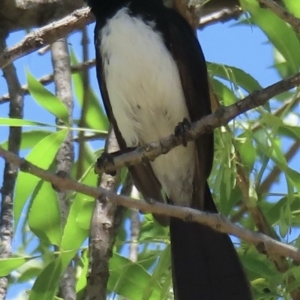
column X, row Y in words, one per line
column 237, row 76
column 224, row 93
column 44, row 215
column 7, row 265
column 279, row 33
column 42, row 155
column 293, row 6
column 46, row 284
column 130, row 280
column 162, row 267
column 95, row 116
column 21, row 122
column 46, row 99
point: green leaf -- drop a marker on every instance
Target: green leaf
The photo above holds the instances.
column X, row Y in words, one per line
column 7, row 265
column 84, row 218
column 21, row 122
column 161, row 269
column 247, row 152
column 74, row 232
column 30, row 270
column 258, row 265
column 44, row 215
column 42, row 155
column 129, row 279
column 33, row 137
column 78, row 222
column 82, row 280
column 152, row 230
column 279, row 33
column 293, row 7
column 46, row 99
column 95, row 116
column 46, row 284
column 224, row 93
column 234, row 75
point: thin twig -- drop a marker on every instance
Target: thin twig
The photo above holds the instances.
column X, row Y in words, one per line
column 215, row 221
column 223, row 15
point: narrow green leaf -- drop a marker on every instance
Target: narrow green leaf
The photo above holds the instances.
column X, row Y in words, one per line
column 7, row 265
column 82, row 280
column 95, row 116
column 162, row 267
column 44, row 215
column 21, row 122
column 279, row 33
column 247, row 152
column 234, row 75
column 42, row 155
column 129, row 279
column 46, row 99
column 46, row 284
column 293, row 7
column 74, row 232
column 33, row 137
column 224, row 93
column 258, row 265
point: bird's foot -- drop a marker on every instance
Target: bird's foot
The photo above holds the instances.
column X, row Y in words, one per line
column 182, row 129
column 106, row 162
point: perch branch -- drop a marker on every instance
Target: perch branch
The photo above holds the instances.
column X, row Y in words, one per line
column 215, row 221
column 219, row 118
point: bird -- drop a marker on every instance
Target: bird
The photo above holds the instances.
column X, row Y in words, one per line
column 153, row 80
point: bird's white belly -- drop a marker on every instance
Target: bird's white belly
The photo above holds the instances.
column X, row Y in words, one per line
column 146, row 96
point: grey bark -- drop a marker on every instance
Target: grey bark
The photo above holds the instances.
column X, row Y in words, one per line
column 10, row 171
column 65, row 155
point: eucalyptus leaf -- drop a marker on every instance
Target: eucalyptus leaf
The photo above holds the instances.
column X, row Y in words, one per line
column 46, row 99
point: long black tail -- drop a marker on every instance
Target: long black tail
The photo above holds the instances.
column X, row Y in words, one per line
column 205, row 265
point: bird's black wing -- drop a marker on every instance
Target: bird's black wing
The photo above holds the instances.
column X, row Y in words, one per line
column 205, row 263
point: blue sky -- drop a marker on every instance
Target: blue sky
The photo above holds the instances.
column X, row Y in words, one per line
column 244, row 47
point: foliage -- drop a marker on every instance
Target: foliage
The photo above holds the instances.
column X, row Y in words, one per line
column 258, row 137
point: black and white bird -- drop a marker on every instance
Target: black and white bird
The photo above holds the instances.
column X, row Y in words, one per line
column 152, row 75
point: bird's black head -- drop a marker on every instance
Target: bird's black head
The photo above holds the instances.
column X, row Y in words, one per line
column 98, row 6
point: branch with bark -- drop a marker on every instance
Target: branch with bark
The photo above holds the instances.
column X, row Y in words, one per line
column 10, row 170
column 222, row 116
column 215, row 221
column 46, row 35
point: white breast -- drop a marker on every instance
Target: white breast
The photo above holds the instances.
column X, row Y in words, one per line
column 146, row 96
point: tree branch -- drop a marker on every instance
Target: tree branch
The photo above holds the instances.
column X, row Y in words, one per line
column 219, row 118
column 24, row 14
column 215, row 221
column 65, row 154
column 10, row 170
column 46, row 35
column 85, row 103
column 105, row 222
